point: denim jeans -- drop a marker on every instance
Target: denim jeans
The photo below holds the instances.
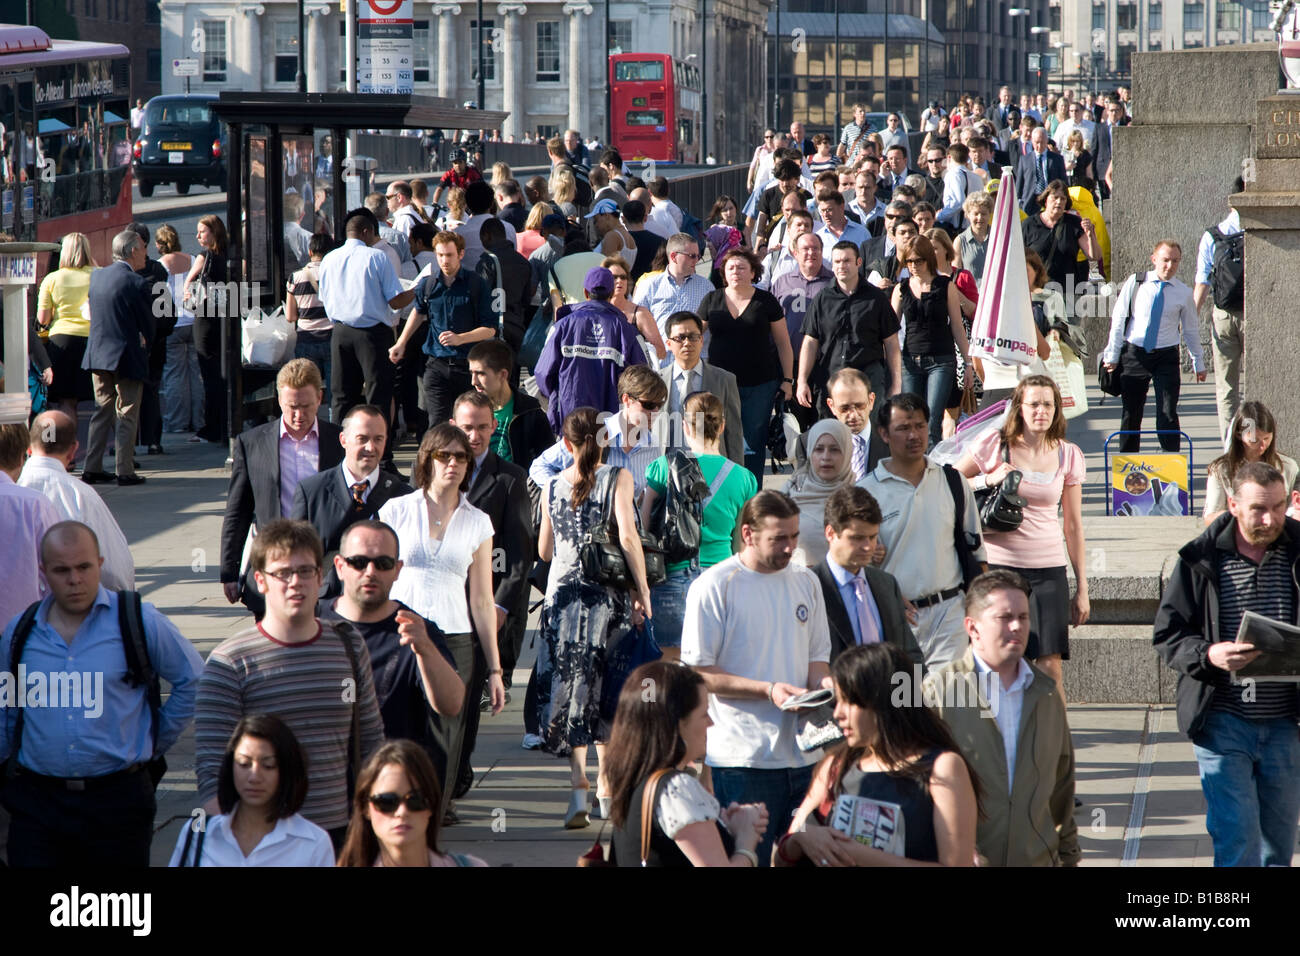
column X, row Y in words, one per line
column 182, row 383
column 781, row 791
column 1250, row 774
column 755, row 417
column 931, row 377
column 668, row 604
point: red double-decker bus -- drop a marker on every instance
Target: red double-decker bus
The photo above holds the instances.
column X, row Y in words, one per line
column 656, row 107
column 65, row 149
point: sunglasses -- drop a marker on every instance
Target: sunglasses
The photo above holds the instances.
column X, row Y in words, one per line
column 387, row 803
column 650, row 406
column 687, row 255
column 285, row 575
column 913, row 261
column 685, row 338
column 359, row 562
column 446, row 457
column 618, row 275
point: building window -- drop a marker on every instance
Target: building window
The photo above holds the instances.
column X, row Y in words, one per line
column 1227, row 16
column 1155, row 43
column 548, row 51
column 489, row 54
column 1155, row 17
column 1054, row 18
column 286, row 51
column 214, row 51
column 620, row 36
column 1099, row 16
column 151, row 12
column 972, row 15
column 1124, row 58
column 420, row 51
column 1193, row 16
column 1126, row 16
column 153, row 69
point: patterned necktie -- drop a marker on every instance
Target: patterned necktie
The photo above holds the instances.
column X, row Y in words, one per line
column 1042, row 171
column 359, row 495
column 1153, row 323
column 859, row 457
column 867, row 632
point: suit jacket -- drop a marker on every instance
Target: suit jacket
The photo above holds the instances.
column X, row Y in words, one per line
column 325, row 502
column 121, row 309
column 874, row 258
column 1001, row 157
column 1027, row 178
column 722, row 384
column 254, row 496
column 1102, row 162
column 889, row 602
column 500, row 491
column 876, row 448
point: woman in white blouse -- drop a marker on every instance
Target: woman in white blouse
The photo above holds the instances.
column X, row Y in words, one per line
column 260, row 788
column 667, row 731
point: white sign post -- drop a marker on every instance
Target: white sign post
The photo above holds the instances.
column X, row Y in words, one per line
column 385, row 46
column 17, row 276
column 187, row 67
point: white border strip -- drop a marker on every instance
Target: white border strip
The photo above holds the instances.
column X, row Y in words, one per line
column 1146, row 758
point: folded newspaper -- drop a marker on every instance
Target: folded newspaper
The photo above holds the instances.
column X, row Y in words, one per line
column 873, row 823
column 1279, row 647
column 815, row 712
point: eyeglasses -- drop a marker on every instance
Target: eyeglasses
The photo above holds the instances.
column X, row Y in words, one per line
column 768, row 136
column 688, row 255
column 913, row 261
column 650, row 406
column 618, row 276
column 286, row 575
column 359, row 562
column 685, row 338
column 387, row 803
column 446, row 457
column 893, row 215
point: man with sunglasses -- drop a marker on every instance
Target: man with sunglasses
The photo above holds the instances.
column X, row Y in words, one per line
column 689, row 373
column 299, row 668
column 332, row 501
column 415, row 676
column 677, row 289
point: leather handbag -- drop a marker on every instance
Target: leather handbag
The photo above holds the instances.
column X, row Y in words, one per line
column 1002, row 507
column 601, row 555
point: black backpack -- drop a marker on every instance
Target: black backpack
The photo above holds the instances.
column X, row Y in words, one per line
column 139, row 670
column 678, row 512
column 1228, row 269
column 964, row 542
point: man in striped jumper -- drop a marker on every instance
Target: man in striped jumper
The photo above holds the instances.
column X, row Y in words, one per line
column 298, row 668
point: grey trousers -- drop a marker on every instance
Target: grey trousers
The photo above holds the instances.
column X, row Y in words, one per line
column 115, row 398
column 1227, row 345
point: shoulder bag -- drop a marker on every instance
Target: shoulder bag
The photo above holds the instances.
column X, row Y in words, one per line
column 601, row 556
column 1002, row 507
column 1108, row 380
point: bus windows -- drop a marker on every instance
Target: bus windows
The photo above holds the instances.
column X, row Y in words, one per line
column 639, row 71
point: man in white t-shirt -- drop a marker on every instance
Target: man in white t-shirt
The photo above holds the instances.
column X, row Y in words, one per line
column 755, row 628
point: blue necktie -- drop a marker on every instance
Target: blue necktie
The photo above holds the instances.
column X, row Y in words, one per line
column 1042, row 172
column 1153, row 323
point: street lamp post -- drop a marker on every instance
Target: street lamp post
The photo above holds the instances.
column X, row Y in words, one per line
column 302, row 29
column 478, row 58
column 1060, row 61
column 1015, row 29
column 704, row 79
column 1038, row 32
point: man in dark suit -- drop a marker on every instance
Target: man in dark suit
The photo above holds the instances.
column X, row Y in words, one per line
column 863, row 604
column 1114, row 117
column 1036, row 169
column 498, row 489
column 689, row 373
column 117, row 357
column 516, row 281
column 270, row 460
column 334, row 500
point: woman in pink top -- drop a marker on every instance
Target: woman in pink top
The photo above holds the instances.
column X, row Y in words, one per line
column 1052, row 470
column 393, row 823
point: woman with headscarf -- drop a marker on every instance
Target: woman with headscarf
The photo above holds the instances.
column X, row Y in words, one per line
column 829, row 468
column 720, row 240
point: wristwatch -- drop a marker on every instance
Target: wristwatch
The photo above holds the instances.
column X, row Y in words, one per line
column 784, row 380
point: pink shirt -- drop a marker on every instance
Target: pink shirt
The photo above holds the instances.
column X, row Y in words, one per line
column 299, row 459
column 1039, row 541
column 25, row 516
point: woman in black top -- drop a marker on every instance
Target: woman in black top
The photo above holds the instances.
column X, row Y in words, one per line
column 900, row 755
column 929, row 308
column 205, row 296
column 667, row 731
column 1057, row 235
column 744, row 323
column 1078, row 162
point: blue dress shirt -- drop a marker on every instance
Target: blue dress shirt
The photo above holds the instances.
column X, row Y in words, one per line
column 847, row 594
column 356, row 284
column 108, row 726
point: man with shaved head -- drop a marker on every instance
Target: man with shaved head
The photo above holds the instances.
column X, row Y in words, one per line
column 25, row 516
column 82, row 793
column 53, row 449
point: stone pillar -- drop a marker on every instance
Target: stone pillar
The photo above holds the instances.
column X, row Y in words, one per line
column 316, row 65
column 448, row 81
column 1270, row 215
column 513, row 70
column 250, row 44
column 579, row 95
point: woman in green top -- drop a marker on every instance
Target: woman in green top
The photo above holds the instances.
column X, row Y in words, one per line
column 60, row 308
column 730, row 486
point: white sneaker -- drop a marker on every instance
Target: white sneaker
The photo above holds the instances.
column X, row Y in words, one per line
column 532, row 742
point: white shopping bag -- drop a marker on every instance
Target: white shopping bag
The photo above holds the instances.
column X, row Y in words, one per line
column 1066, row 369
column 267, row 339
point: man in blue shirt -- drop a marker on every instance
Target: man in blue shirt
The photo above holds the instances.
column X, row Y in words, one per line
column 82, row 794
column 457, row 304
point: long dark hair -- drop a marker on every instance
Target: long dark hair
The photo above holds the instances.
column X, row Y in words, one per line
column 645, row 737
column 1250, row 415
column 362, row 846
column 582, row 429
column 864, row 676
column 291, row 791
column 436, row 439
column 218, row 230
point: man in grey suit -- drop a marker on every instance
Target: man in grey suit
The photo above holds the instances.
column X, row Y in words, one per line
column 689, row 373
column 863, row 604
column 269, row 462
column 117, row 357
column 334, row 500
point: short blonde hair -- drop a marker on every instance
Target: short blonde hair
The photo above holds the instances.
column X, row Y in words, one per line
column 940, row 239
column 75, row 252
column 977, row 200
column 299, row 373
column 535, row 216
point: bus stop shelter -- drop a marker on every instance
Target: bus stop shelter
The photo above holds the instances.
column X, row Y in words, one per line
column 288, row 173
